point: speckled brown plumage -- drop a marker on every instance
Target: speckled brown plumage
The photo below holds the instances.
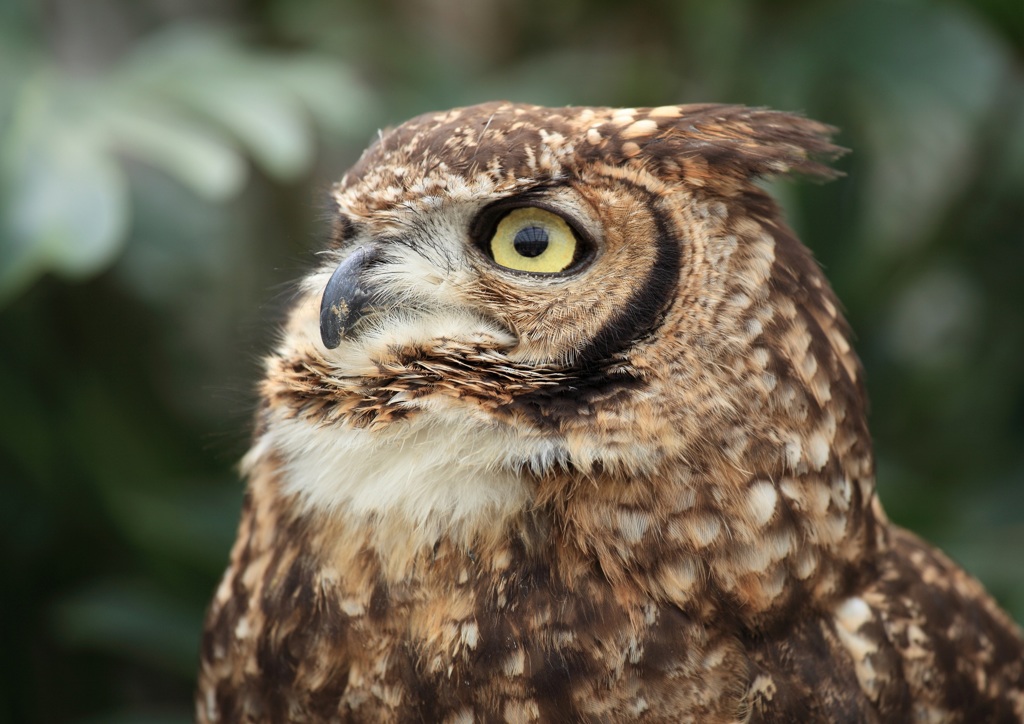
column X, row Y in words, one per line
column 641, row 489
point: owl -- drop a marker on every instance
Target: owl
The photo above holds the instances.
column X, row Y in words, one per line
column 566, row 426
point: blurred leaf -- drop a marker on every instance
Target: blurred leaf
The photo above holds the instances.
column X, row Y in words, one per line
column 63, row 199
column 207, row 162
column 184, row 102
column 18, row 59
column 329, row 90
column 267, row 102
column 264, row 118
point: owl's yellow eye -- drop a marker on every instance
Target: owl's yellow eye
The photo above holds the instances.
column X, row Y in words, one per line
column 531, row 239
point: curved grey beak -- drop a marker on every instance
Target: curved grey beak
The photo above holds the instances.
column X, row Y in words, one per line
column 345, row 296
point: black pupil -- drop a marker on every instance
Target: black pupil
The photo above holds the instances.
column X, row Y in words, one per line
column 531, row 241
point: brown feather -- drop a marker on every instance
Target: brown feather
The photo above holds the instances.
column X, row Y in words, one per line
column 643, row 490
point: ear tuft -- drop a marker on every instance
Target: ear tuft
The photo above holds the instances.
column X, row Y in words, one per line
column 762, row 142
column 734, row 140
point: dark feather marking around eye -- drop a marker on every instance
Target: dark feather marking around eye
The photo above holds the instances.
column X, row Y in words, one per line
column 596, row 375
column 641, row 314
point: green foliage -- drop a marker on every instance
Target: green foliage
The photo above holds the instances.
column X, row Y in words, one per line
column 162, row 178
column 191, row 102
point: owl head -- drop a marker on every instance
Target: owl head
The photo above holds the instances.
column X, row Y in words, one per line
column 521, row 303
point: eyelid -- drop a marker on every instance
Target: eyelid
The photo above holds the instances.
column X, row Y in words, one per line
column 487, row 219
column 485, row 224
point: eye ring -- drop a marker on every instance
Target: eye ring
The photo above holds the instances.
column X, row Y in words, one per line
column 525, row 237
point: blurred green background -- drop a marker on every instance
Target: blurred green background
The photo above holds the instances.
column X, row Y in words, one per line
column 163, row 175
